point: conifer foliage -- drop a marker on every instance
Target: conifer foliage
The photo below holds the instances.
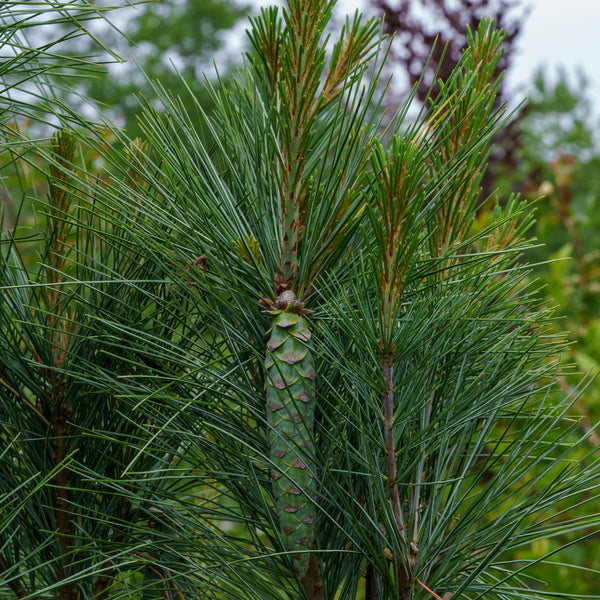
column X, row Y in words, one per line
column 289, row 362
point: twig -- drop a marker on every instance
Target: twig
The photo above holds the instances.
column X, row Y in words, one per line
column 21, row 397
column 403, row 572
column 390, row 454
column 428, row 589
column 161, row 577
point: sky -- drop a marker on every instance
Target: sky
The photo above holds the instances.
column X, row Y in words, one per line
column 561, row 33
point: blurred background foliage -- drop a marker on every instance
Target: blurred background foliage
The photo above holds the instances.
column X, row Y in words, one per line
column 550, row 154
column 178, row 42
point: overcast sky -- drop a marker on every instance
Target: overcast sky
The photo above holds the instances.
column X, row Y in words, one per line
column 561, row 32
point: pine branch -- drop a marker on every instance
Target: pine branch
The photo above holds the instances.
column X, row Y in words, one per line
column 162, row 327
column 469, row 97
column 390, row 447
column 60, row 329
column 403, row 570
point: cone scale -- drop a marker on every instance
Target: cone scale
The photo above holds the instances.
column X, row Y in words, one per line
column 290, row 415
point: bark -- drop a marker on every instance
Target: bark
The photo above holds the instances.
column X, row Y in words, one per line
column 60, row 432
column 370, row 584
column 390, row 454
column 14, row 584
column 311, row 582
column 403, row 570
column 100, row 587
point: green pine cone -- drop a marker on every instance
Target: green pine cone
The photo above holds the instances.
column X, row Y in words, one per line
column 290, row 413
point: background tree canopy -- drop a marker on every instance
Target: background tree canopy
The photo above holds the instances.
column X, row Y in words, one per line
column 172, row 41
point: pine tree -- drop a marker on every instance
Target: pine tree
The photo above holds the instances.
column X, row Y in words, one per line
column 290, row 362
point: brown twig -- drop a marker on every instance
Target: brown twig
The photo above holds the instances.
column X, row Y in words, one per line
column 164, row 580
column 25, row 400
column 390, row 454
column 428, row 589
column 402, row 570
